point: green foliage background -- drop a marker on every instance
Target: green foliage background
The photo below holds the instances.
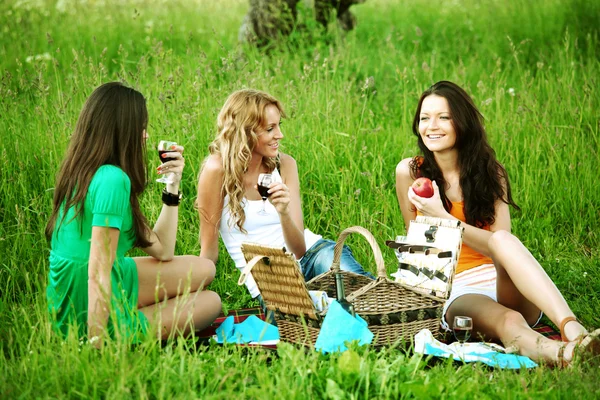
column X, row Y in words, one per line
column 531, row 66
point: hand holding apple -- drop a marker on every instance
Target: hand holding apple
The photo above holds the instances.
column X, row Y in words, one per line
column 423, row 187
column 431, row 206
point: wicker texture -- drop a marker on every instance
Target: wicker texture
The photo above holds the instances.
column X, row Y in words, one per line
column 394, row 312
column 352, row 281
column 280, row 280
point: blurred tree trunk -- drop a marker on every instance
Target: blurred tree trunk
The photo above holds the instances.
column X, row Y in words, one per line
column 325, row 8
column 269, row 20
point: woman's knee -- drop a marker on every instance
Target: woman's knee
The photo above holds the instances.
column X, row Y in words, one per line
column 500, row 239
column 203, row 271
column 212, row 302
column 512, row 321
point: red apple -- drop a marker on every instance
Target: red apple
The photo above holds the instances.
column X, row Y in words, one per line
column 423, row 187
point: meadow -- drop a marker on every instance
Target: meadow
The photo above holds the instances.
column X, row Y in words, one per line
column 531, row 66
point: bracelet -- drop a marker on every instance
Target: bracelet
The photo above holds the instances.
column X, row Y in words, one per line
column 171, row 199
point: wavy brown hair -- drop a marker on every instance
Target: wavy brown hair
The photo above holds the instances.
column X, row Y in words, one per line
column 237, row 124
column 482, row 177
column 108, row 132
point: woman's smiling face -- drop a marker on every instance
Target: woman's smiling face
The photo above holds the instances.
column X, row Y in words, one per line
column 435, row 124
column 270, row 135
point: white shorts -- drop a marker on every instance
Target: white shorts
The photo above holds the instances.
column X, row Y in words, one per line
column 479, row 280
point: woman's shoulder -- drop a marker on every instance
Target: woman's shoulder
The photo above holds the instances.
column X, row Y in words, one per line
column 213, row 164
column 287, row 161
column 212, row 170
column 403, row 169
column 110, row 174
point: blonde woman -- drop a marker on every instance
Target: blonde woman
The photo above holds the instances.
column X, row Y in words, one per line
column 246, row 145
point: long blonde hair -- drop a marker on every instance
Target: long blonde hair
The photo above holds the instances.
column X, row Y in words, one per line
column 241, row 116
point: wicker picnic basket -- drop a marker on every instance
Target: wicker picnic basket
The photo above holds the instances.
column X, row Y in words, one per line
column 393, row 311
column 284, row 292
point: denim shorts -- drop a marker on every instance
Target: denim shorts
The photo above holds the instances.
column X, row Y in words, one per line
column 319, row 257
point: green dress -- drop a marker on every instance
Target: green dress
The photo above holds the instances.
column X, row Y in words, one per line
column 107, row 205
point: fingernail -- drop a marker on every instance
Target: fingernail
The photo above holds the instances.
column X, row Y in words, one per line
column 172, row 147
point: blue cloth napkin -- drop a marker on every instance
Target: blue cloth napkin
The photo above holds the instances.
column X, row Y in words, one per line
column 251, row 330
column 425, row 343
column 338, row 327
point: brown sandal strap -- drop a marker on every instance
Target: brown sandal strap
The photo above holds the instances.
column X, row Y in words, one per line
column 564, row 322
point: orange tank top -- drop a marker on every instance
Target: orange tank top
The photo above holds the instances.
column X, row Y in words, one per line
column 469, row 258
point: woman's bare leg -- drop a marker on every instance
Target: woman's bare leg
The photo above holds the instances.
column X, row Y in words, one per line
column 183, row 314
column 524, row 286
column 492, row 320
column 160, row 280
column 172, row 296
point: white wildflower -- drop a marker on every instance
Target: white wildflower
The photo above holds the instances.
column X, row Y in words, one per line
column 511, row 91
column 39, row 57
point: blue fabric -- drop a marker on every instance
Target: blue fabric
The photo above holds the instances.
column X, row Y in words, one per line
column 319, row 257
column 425, row 343
column 492, row 358
column 339, row 327
column 252, row 329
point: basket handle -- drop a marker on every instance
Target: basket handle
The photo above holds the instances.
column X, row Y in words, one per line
column 249, row 267
column 339, row 245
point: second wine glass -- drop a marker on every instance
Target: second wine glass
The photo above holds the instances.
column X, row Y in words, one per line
column 264, row 180
column 164, row 146
column 462, row 328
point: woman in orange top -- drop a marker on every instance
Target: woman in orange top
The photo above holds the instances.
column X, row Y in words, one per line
column 493, row 282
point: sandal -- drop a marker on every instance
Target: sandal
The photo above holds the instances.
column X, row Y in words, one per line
column 589, row 345
column 560, row 357
column 563, row 336
column 585, row 346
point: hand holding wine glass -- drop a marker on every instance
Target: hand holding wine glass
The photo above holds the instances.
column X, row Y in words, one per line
column 171, row 157
column 172, row 161
column 462, row 328
column 264, row 181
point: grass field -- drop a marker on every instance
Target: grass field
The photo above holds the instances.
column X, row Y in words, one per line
column 531, row 66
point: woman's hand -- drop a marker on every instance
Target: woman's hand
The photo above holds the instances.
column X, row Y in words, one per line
column 175, row 166
column 280, row 197
column 432, row 207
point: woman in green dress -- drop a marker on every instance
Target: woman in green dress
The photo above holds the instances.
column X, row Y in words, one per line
column 96, row 219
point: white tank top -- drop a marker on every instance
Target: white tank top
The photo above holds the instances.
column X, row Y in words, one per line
column 262, row 229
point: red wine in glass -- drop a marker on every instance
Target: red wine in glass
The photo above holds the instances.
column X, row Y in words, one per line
column 462, row 328
column 264, row 191
column 165, row 159
column 462, row 334
column 164, row 146
column 264, row 180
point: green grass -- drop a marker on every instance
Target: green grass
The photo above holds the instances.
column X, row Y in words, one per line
column 347, row 139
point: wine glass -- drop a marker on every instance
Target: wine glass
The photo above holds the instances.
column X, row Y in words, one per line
column 462, row 328
column 264, row 180
column 164, row 146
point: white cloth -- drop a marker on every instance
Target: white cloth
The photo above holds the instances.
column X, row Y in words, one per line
column 488, row 353
column 320, row 299
column 262, row 229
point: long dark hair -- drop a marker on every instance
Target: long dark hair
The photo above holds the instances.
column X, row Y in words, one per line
column 482, row 177
column 108, row 132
